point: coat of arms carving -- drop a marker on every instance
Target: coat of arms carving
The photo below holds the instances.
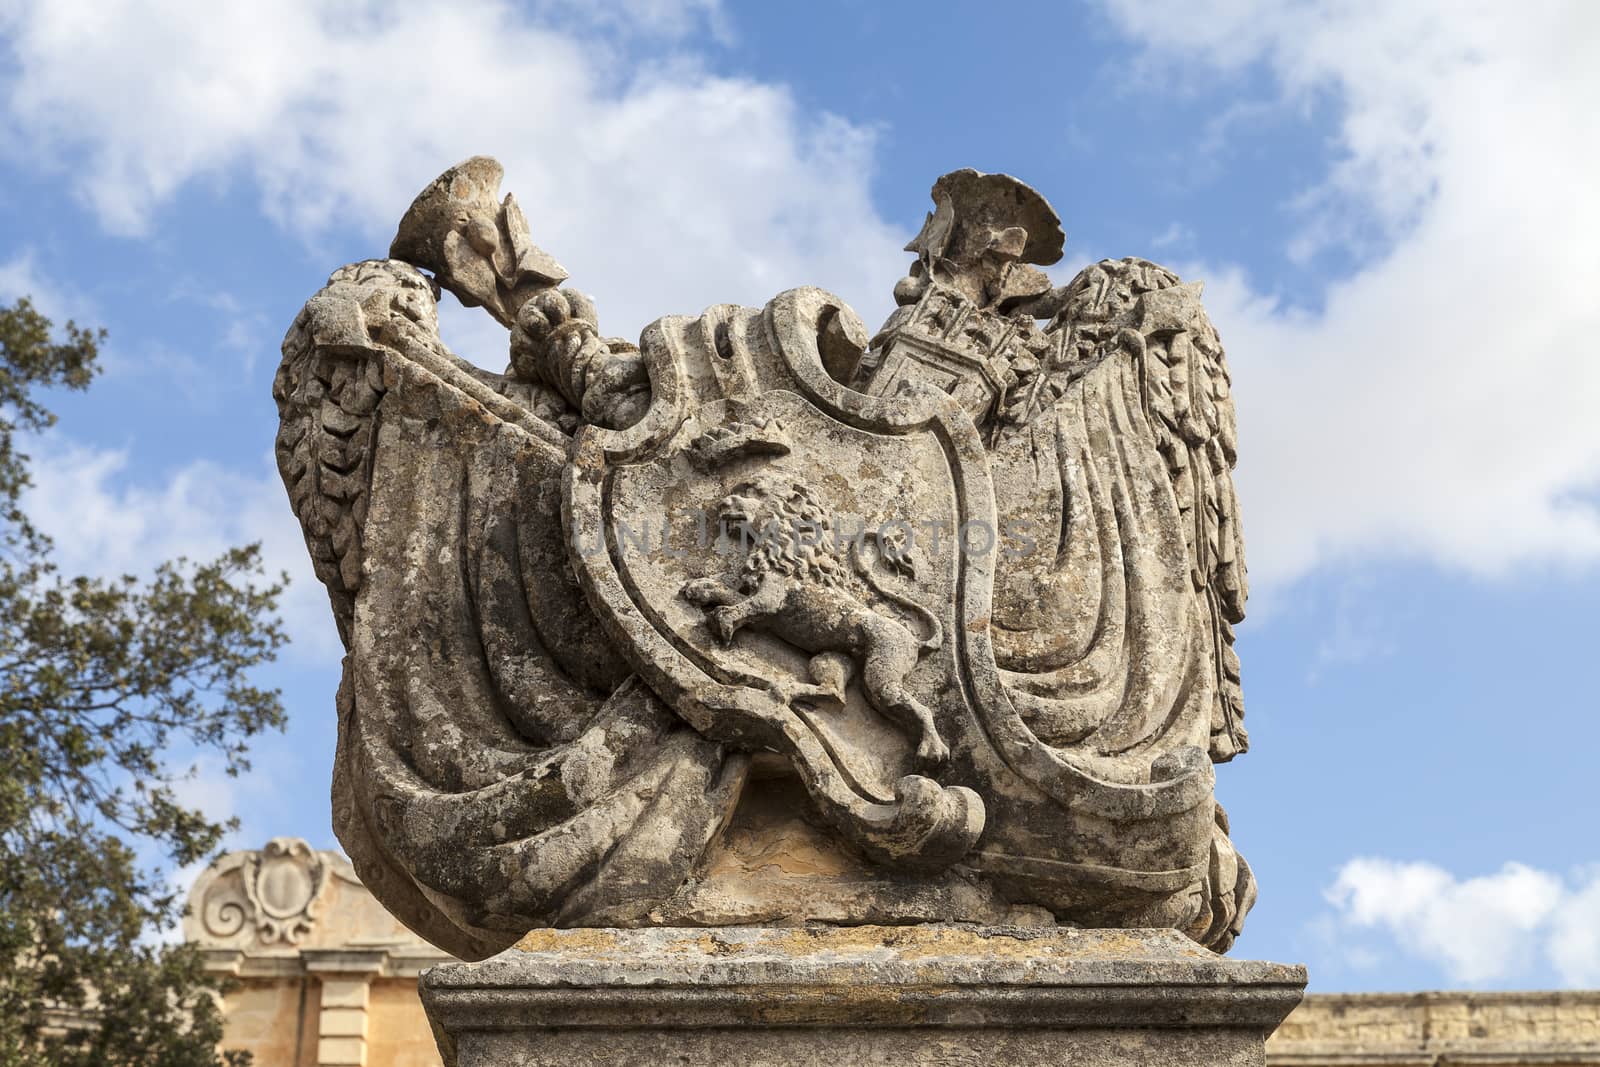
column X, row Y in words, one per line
column 768, row 618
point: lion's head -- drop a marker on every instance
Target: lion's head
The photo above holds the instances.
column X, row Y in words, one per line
column 782, row 527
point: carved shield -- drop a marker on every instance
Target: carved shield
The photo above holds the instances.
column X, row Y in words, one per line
column 765, row 547
column 782, row 565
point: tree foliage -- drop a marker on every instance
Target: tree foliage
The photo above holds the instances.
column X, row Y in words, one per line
column 110, row 690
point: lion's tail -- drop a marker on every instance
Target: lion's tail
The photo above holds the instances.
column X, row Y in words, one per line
column 930, row 621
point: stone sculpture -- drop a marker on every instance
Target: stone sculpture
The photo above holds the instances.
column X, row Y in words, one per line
column 767, row 619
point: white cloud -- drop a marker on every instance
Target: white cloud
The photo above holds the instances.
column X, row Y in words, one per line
column 20, row 276
column 1574, row 941
column 1356, row 630
column 1437, row 406
column 663, row 188
column 1477, row 930
column 1175, row 236
column 107, row 522
column 242, row 330
column 1441, row 404
column 644, row 18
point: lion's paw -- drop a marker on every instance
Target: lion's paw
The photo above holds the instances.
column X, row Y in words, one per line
column 723, row 624
column 702, row 591
column 932, row 751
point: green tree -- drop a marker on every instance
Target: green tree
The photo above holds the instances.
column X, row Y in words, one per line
column 109, row 691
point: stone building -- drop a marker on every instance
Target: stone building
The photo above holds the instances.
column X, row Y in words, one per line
column 324, row 977
column 322, row 973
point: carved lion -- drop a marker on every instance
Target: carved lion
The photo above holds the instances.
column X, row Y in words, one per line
column 800, row 584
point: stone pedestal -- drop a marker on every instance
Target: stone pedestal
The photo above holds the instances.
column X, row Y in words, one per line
column 842, row 997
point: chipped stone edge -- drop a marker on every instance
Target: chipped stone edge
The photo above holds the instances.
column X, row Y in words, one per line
column 938, row 976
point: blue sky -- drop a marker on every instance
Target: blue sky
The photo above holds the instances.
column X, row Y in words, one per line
column 1390, row 204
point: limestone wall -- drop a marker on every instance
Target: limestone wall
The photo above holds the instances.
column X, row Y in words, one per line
column 398, row 1034
column 1483, row 1029
column 267, row 1018
column 280, row 1022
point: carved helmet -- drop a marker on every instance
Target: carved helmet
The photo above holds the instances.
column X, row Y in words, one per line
column 976, row 213
column 476, row 244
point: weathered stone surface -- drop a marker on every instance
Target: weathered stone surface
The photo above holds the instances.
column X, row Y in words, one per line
column 865, row 995
column 767, row 618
